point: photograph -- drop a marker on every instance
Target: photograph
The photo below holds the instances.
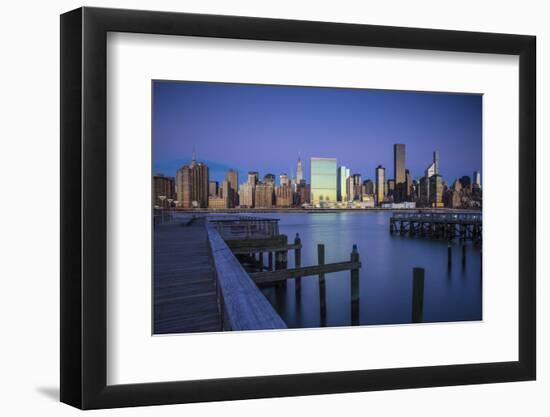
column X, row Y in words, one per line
column 295, row 207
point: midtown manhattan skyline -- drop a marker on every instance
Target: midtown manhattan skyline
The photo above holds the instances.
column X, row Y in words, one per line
column 265, row 128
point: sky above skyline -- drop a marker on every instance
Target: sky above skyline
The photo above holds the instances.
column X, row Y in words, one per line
column 265, row 128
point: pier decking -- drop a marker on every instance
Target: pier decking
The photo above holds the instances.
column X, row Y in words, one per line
column 184, row 280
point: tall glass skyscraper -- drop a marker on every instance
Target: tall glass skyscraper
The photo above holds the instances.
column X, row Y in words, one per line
column 343, row 174
column 323, row 180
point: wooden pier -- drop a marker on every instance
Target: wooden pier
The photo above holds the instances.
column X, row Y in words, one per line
column 200, row 284
column 438, row 225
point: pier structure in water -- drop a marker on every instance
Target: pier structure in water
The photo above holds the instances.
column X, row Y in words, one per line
column 438, row 225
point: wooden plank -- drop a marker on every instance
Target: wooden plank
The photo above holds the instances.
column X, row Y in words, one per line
column 283, row 274
column 245, row 307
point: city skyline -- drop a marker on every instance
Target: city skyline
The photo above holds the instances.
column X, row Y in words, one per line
column 331, row 185
column 306, row 162
column 265, row 128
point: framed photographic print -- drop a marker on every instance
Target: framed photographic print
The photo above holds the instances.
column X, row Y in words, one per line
column 257, row 208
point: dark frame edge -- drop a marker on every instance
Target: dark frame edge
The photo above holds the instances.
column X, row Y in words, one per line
column 70, row 208
column 528, row 206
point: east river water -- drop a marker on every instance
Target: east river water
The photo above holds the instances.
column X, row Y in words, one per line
column 453, row 294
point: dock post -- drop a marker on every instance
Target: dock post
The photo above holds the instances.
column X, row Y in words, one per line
column 463, row 254
column 418, row 295
column 284, row 257
column 354, row 257
column 298, row 264
column 322, row 285
column 270, row 261
column 449, row 255
column 285, row 252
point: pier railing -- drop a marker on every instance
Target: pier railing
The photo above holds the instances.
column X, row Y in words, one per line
column 244, row 227
column 242, row 304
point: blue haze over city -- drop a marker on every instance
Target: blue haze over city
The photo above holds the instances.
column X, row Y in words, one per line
column 264, row 128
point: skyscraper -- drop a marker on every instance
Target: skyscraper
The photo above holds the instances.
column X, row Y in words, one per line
column 228, row 194
column 356, row 187
column 183, row 186
column 399, row 172
column 283, row 180
column 163, row 190
column 390, row 188
column 465, row 181
column 299, row 171
column 424, row 191
column 232, row 178
column 269, row 179
column 341, row 190
column 408, row 184
column 303, row 192
column 436, row 190
column 246, row 195
column 199, row 189
column 192, row 184
column 380, row 175
column 213, row 188
column 283, row 195
column 323, row 179
column 399, row 163
column 263, row 195
column 253, row 178
column 433, row 168
column 368, row 187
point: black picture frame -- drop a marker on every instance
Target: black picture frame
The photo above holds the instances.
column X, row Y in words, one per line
column 84, row 207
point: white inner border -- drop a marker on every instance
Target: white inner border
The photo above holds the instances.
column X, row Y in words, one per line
column 134, row 356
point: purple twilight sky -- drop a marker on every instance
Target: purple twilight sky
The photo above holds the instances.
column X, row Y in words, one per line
column 264, row 128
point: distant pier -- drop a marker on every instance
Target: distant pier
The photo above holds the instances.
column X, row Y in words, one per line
column 463, row 226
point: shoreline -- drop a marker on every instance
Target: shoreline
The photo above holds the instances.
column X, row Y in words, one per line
column 318, row 210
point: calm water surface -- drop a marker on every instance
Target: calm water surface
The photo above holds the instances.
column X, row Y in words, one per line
column 385, row 276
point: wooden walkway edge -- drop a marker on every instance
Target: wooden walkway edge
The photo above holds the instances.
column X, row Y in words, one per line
column 244, row 306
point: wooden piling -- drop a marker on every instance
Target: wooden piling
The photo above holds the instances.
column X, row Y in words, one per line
column 449, row 255
column 270, row 261
column 418, row 295
column 354, row 257
column 322, row 285
column 298, row 264
column 284, row 258
column 463, row 254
